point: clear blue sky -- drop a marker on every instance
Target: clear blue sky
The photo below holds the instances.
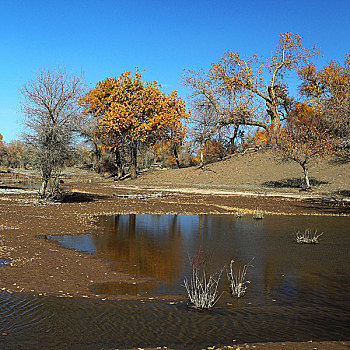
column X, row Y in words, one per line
column 104, row 38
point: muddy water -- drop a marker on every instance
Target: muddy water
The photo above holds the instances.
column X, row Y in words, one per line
column 160, row 247
column 297, row 292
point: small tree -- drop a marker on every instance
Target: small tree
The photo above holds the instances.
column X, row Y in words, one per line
column 2, row 149
column 15, row 154
column 50, row 107
column 305, row 140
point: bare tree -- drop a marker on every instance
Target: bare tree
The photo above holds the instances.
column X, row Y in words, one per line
column 88, row 129
column 51, row 110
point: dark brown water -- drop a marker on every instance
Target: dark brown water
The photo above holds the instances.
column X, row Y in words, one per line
column 297, row 292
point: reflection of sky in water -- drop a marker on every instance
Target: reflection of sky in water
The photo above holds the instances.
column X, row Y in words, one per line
column 84, row 242
column 4, row 262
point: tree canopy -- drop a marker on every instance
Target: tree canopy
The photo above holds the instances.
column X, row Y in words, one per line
column 132, row 113
column 235, row 91
column 305, row 139
column 328, row 90
column 50, row 106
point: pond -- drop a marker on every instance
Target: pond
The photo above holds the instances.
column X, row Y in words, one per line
column 160, row 247
column 297, row 292
column 5, row 262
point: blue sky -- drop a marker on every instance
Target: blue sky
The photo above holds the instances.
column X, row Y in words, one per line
column 107, row 37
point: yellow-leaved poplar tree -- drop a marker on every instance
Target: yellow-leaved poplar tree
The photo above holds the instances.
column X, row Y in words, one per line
column 328, row 90
column 251, row 91
column 132, row 113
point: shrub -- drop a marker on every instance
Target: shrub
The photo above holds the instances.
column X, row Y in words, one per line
column 202, row 290
column 308, row 237
column 236, row 280
column 238, row 214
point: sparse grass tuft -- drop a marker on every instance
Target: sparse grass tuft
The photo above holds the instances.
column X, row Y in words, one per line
column 308, row 237
column 239, row 214
column 202, row 290
column 258, row 214
column 236, row 280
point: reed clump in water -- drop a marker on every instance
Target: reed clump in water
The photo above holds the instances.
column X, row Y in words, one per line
column 308, row 237
column 258, row 214
column 202, row 289
column 237, row 279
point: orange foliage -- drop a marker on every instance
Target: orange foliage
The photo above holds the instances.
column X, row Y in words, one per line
column 305, row 140
column 331, row 82
column 303, row 114
column 133, row 112
column 328, row 91
column 236, row 89
column 262, row 137
column 15, row 153
column 161, row 149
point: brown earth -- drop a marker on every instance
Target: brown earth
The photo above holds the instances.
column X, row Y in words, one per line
column 340, row 345
column 239, row 184
column 256, row 171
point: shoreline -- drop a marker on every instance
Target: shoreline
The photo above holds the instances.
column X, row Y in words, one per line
column 23, row 221
column 42, row 267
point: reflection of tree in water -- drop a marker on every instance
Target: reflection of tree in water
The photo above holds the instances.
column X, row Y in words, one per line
column 153, row 251
column 158, row 246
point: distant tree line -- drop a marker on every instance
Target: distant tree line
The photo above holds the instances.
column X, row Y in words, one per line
column 125, row 124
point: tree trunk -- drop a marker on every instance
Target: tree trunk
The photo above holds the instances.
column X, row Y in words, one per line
column 119, row 164
column 306, row 176
column 275, row 124
column 42, row 191
column 97, row 158
column 233, row 138
column 272, row 111
column 55, row 192
column 120, row 173
column 201, row 162
column 176, row 155
column 133, row 167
